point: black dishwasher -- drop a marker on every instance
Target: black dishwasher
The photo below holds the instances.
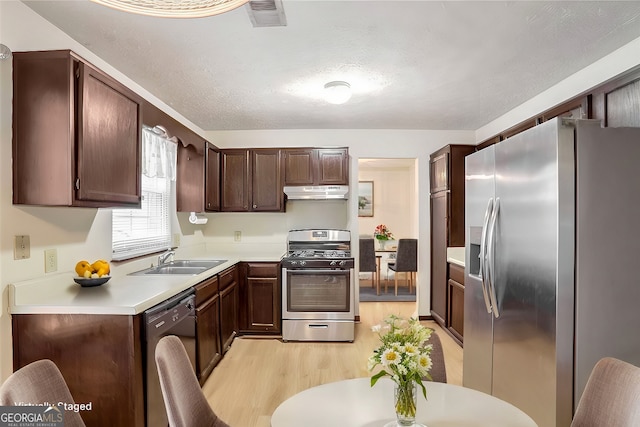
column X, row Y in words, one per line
column 175, row 316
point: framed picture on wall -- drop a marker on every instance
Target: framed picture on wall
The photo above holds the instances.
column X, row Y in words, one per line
column 365, row 198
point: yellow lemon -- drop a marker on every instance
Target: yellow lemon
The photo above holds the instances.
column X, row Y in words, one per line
column 101, row 267
column 83, row 266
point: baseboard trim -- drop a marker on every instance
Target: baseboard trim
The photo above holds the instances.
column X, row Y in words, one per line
column 429, row 317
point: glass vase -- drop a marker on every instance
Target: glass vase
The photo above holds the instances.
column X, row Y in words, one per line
column 381, row 244
column 406, row 399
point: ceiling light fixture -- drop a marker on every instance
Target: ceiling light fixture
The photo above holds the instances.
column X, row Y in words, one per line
column 5, row 52
column 337, row 92
column 173, row 8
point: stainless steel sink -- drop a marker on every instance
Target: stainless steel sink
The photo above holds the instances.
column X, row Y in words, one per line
column 184, row 267
column 197, row 263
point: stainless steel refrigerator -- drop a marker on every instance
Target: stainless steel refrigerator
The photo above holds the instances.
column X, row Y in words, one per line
column 552, row 219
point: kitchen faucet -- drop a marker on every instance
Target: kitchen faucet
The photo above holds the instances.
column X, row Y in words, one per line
column 165, row 256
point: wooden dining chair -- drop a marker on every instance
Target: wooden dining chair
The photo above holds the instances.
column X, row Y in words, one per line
column 367, row 261
column 183, row 398
column 611, row 396
column 406, row 262
column 39, row 382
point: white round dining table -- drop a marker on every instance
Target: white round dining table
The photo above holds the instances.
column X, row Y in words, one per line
column 354, row 403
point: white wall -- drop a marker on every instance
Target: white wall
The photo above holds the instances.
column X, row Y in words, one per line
column 395, row 201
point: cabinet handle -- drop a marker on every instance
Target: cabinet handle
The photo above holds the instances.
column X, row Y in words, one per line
column 255, row 206
column 77, row 183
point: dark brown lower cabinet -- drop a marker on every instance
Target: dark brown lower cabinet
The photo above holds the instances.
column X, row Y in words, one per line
column 229, row 304
column 456, row 301
column 208, row 345
column 100, row 357
column 260, row 311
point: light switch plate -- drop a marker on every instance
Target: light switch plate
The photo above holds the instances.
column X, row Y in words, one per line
column 237, row 236
column 21, row 247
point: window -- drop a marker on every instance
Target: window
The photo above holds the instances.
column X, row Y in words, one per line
column 137, row 232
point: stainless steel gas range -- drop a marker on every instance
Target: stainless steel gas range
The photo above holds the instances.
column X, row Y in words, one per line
column 318, row 286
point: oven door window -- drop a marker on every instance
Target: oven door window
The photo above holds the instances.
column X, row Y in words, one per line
column 318, row 291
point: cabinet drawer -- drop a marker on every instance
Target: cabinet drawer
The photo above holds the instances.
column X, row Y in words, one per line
column 206, row 289
column 260, row 269
column 456, row 273
column 227, row 277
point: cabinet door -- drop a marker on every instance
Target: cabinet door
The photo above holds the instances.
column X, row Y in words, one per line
column 456, row 309
column 228, row 315
column 208, row 337
column 439, row 173
column 266, row 188
column 43, row 128
column 190, row 177
column 212, row 179
column 263, row 304
column 299, row 166
column 332, row 166
column 108, row 140
column 235, row 180
column 456, row 301
column 439, row 224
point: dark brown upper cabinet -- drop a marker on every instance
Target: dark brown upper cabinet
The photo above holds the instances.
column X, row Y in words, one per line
column 332, row 166
column 251, row 180
column 266, row 180
column 235, row 180
column 76, row 133
column 212, row 179
column 190, row 177
column 316, row 166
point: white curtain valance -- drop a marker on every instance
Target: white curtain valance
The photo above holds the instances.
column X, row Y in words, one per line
column 159, row 154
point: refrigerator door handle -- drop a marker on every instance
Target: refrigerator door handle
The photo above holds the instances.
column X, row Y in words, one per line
column 491, row 241
column 483, row 255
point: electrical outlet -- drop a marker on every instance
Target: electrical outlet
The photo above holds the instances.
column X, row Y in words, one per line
column 50, row 260
column 21, row 247
column 237, row 236
column 176, row 240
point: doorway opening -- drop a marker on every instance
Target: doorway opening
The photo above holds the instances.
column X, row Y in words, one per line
column 387, row 205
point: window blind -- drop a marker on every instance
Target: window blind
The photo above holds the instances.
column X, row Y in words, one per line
column 137, row 232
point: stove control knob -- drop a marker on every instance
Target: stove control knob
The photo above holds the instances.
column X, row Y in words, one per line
column 343, row 262
column 303, row 262
column 332, row 263
column 294, row 262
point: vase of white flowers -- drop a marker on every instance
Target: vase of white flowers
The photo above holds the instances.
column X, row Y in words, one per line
column 403, row 356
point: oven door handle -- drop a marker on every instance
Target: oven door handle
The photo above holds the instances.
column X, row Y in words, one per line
column 316, row 270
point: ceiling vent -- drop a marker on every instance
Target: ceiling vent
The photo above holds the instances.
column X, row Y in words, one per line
column 266, row 13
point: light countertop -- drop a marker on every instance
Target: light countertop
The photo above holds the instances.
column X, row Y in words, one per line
column 456, row 256
column 121, row 295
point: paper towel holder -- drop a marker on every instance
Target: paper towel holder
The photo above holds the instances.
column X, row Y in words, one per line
column 195, row 219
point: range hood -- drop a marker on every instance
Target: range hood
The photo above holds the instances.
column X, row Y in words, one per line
column 317, row 192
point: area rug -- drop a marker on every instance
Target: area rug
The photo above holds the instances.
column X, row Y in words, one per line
column 368, row 294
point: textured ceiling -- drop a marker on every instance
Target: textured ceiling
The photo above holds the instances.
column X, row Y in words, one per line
column 412, row 65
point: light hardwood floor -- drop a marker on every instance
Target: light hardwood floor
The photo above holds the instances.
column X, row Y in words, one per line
column 257, row 374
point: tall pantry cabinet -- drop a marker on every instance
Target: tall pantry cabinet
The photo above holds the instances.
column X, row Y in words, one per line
column 447, row 220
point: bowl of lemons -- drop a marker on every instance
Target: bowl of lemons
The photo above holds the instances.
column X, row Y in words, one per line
column 95, row 274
